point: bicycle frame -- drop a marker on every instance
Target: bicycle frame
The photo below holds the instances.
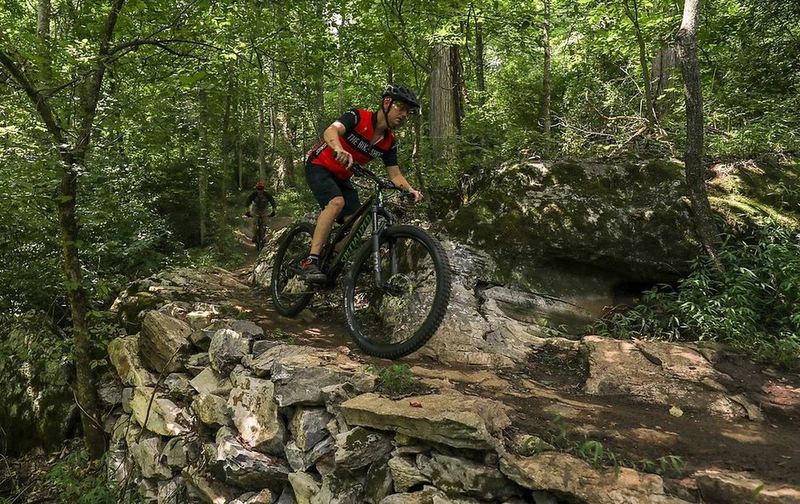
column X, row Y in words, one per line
column 367, row 215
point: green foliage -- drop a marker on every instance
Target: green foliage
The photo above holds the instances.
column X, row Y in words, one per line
column 670, row 466
column 295, row 202
column 749, row 305
column 396, row 379
column 80, row 481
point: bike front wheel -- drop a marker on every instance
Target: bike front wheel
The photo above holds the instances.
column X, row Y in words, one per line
column 289, row 292
column 260, row 237
column 395, row 315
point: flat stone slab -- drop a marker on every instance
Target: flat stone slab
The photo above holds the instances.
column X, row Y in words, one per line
column 453, row 419
column 663, row 373
column 741, row 488
column 563, row 473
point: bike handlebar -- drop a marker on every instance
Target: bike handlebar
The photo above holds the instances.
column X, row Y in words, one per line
column 383, row 183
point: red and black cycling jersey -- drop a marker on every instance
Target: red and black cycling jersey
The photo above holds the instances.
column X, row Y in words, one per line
column 359, row 128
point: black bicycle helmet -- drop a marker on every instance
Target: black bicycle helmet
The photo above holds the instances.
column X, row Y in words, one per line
column 402, row 93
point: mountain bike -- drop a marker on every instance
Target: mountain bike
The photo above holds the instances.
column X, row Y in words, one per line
column 396, row 290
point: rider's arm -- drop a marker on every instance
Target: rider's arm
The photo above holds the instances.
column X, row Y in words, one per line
column 397, row 178
column 339, row 128
column 332, row 134
column 400, row 181
column 271, row 201
column 331, row 137
column 251, row 199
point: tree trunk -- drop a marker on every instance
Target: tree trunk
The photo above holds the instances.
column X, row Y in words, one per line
column 73, row 161
column 284, row 175
column 340, row 86
column 633, row 15
column 664, row 63
column 546, row 70
column 226, row 143
column 241, row 116
column 288, row 152
column 480, row 63
column 45, row 73
column 442, row 109
column 695, row 171
column 202, row 162
column 415, row 161
column 318, row 94
column 262, row 142
column 459, row 89
column 78, row 298
column 43, row 20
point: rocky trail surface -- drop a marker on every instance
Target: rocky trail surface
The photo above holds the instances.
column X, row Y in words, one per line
column 493, row 401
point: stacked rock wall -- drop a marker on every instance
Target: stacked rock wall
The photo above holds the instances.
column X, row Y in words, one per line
column 214, row 411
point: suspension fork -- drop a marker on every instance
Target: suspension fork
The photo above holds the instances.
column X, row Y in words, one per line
column 377, row 232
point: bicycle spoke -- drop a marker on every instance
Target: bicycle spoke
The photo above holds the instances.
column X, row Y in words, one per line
column 393, row 312
column 290, row 294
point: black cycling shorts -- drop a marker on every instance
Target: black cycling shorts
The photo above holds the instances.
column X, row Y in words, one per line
column 326, row 186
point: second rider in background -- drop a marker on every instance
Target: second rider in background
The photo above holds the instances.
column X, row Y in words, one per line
column 357, row 136
column 257, row 204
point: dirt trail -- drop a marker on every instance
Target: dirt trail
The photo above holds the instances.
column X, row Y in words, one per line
column 546, row 398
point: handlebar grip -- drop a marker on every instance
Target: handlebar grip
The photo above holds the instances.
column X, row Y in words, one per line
column 357, row 169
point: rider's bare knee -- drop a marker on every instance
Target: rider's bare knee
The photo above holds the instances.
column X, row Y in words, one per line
column 336, row 203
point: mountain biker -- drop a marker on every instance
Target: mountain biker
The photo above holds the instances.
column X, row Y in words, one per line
column 357, row 136
column 257, row 204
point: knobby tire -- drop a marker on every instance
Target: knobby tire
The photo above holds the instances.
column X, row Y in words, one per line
column 441, row 298
column 289, row 309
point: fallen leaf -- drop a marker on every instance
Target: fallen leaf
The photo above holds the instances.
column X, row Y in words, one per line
column 415, row 404
column 676, row 411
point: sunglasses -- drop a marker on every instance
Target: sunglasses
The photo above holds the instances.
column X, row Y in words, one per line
column 404, row 107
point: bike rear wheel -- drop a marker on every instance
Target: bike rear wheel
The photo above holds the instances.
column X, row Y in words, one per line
column 395, row 316
column 289, row 292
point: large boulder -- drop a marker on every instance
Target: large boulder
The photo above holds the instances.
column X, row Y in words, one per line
column 37, row 406
column 491, row 325
column 593, row 233
column 543, row 219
